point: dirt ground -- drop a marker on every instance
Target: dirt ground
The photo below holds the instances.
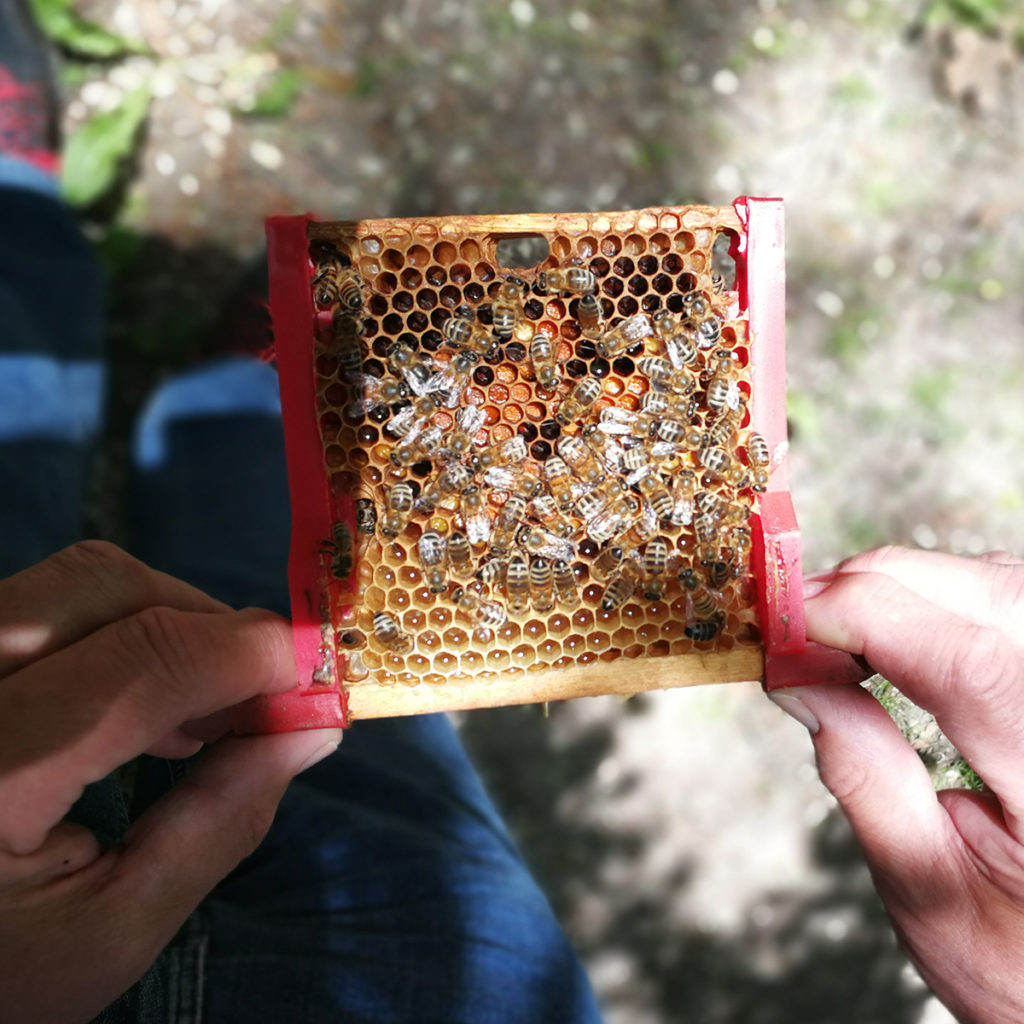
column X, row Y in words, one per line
column 699, row 866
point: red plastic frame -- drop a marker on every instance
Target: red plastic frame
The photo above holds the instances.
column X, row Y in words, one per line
column 759, row 251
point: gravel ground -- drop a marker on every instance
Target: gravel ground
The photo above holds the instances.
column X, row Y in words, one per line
column 686, row 843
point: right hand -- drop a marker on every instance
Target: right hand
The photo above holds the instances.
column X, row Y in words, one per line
column 949, row 633
column 102, row 659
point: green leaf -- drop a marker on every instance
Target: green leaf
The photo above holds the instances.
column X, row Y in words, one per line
column 94, row 153
column 67, row 29
column 278, row 96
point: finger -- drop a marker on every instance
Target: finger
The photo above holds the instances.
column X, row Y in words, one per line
column 67, row 849
column 969, row 676
column 988, row 590
column 176, row 745
column 1000, row 557
column 178, row 851
column 77, row 591
column 91, row 707
column 878, row 780
column 979, row 820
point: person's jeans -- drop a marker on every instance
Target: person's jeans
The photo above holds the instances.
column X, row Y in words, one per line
column 387, row 888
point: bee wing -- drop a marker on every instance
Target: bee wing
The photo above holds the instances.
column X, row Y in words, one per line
column 555, row 548
column 663, row 450
column 733, row 395
column 478, row 528
column 419, row 378
column 470, row 419
column 780, row 453
column 636, row 327
column 396, row 426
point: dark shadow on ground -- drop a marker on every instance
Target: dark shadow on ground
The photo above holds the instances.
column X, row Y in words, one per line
column 829, row 958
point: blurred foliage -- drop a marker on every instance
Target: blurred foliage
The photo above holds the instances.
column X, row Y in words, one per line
column 990, row 16
column 80, row 37
column 277, row 96
column 95, row 154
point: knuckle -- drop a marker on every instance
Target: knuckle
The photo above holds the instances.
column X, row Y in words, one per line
column 100, row 564
column 982, row 667
column 155, row 641
column 876, row 560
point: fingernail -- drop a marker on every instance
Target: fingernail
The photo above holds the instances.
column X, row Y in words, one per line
column 319, row 754
column 796, row 708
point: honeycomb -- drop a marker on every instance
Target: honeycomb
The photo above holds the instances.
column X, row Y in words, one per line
column 524, row 478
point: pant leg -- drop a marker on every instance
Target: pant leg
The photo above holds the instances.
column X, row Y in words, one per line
column 51, row 373
column 387, row 888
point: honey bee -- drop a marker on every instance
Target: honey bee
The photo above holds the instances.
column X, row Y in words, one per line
column 655, row 566
column 722, row 386
column 590, row 314
column 580, row 400
column 545, row 511
column 413, row 418
column 621, row 586
column 616, row 421
column 501, row 453
column 740, row 538
column 559, row 481
column 377, row 391
column 604, row 447
column 542, row 591
column 634, row 458
column 386, row 630
column 542, row 358
column 339, row 547
column 709, row 331
column 580, row 459
column 397, row 510
column 614, row 519
column 431, row 547
column 700, row 600
column 492, row 571
column 366, row 515
column 334, row 282
column 663, row 374
column 717, row 460
column 468, row 335
column 517, row 585
column 705, row 630
column 760, row 461
column 695, row 306
column 516, row 481
column 683, row 487
column 679, row 346
column 678, row 434
column 416, row 369
column 450, row 480
column 506, row 312
column 475, row 517
column 468, row 421
column 566, row 280
column 507, row 524
column 718, row 574
column 564, row 579
column 460, row 555
column 538, row 541
column 415, row 448
column 651, row 487
column 452, row 380
column 625, row 335
column 711, row 504
column 345, row 332
column 722, row 431
column 606, row 564
column 487, row 613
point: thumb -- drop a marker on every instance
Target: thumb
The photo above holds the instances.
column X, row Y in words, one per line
column 187, row 842
column 875, row 775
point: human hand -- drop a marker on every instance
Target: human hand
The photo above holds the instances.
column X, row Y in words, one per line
column 102, row 659
column 949, row 633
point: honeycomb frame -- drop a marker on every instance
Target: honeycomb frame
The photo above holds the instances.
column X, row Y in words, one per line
column 394, row 257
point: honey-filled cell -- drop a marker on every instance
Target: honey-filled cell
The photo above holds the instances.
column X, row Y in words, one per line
column 434, row 286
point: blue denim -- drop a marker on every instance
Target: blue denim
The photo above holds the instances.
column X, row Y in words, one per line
column 387, row 889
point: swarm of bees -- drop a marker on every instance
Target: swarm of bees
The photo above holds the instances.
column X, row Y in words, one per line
column 649, row 499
